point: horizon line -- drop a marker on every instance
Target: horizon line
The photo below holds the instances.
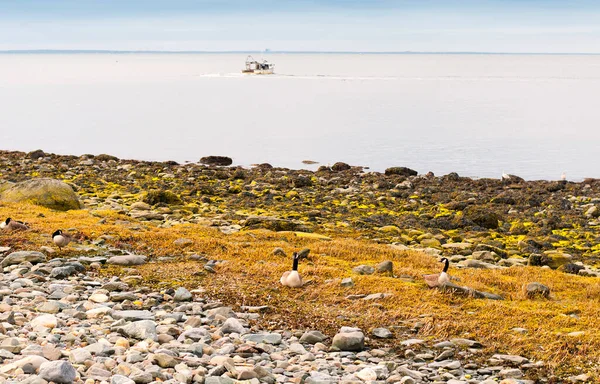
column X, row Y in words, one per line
column 110, row 51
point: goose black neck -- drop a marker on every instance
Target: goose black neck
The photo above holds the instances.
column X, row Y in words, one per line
column 295, row 266
column 446, row 264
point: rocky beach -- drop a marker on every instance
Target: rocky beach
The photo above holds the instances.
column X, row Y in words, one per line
column 173, row 274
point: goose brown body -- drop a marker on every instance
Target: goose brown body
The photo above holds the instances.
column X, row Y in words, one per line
column 13, row 225
column 61, row 239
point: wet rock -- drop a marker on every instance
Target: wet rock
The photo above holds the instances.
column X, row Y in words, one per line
column 216, row 160
column 401, row 171
column 340, row 167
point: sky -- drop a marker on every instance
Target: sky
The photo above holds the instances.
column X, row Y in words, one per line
column 520, row 26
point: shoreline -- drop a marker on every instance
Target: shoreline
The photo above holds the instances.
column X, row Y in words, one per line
column 229, row 231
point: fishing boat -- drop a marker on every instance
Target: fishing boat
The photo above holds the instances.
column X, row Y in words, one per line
column 258, row 68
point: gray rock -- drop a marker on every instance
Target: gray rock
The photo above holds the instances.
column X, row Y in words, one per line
column 347, row 282
column 537, row 290
column 22, row 256
column 80, row 355
column 349, row 341
column 312, row 337
column 385, row 266
column 364, row 270
column 141, row 330
column 233, row 325
column 132, row 315
column 382, row 333
column 63, row 272
column 120, row 379
column 127, row 260
column 182, row 294
column 61, row 372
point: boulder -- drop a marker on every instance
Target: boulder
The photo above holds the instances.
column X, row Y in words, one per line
column 349, row 340
column 537, row 289
column 340, row 167
column 49, row 193
column 22, row 256
column 127, row 260
column 216, row 160
column 401, row 171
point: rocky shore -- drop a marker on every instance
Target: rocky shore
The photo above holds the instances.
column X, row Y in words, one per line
column 100, row 312
column 483, row 223
column 63, row 323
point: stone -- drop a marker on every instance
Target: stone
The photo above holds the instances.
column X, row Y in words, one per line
column 401, row 171
column 60, row 372
column 165, row 361
column 182, row 294
column 364, row 270
column 233, row 325
column 141, row 330
column 385, row 267
column 120, row 379
column 382, row 333
column 50, row 307
column 44, row 322
column 23, row 256
column 80, row 355
column 349, row 341
column 132, row 315
column 533, row 290
column 216, row 160
column 127, row 260
column 347, row 282
column 312, row 337
column 63, row 272
column 340, row 167
column 367, row 375
column 49, row 193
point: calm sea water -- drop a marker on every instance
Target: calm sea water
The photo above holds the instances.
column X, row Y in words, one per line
column 479, row 115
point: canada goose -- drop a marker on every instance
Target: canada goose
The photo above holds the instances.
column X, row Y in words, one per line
column 439, row 279
column 292, row 278
column 61, row 239
column 13, row 225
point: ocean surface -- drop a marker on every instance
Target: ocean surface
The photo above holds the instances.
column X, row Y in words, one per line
column 480, row 115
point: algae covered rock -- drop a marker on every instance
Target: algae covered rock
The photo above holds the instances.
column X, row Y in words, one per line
column 482, row 217
column 49, row 193
column 158, row 196
column 275, row 224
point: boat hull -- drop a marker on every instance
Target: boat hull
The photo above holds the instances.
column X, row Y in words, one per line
column 258, row 71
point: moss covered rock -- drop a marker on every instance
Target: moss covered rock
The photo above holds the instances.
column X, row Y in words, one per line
column 49, row 193
column 157, row 196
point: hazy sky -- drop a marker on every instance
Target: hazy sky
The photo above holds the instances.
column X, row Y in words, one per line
column 309, row 25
